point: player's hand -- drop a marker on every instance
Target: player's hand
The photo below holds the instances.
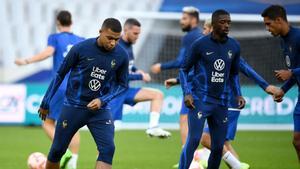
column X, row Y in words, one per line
column 43, row 113
column 271, row 89
column 156, row 68
column 94, row 104
column 146, row 77
column 241, row 102
column 189, row 101
column 283, row 75
column 278, row 95
column 19, row 61
column 170, row 82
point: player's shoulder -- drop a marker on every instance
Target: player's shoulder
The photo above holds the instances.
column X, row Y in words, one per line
column 121, row 51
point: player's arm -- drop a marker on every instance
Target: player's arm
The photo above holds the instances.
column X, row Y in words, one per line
column 47, row 52
column 121, row 83
column 171, row 82
column 188, row 63
column 173, row 64
column 70, row 60
column 234, row 79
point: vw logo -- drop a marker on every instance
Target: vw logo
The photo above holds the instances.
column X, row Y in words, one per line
column 219, row 64
column 94, row 85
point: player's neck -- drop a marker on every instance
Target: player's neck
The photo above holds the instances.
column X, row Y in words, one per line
column 285, row 29
column 64, row 29
column 218, row 37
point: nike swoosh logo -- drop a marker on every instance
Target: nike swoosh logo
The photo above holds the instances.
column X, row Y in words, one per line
column 89, row 59
column 209, row 53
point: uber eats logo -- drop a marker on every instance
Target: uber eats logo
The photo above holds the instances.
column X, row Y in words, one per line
column 217, row 76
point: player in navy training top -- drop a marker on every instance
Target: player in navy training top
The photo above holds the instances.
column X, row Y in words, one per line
column 276, row 22
column 59, row 45
column 131, row 96
column 189, row 23
column 94, row 64
column 215, row 60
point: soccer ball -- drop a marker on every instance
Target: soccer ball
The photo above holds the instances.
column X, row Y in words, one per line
column 36, row 160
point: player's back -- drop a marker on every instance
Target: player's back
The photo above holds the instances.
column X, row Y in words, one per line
column 213, row 68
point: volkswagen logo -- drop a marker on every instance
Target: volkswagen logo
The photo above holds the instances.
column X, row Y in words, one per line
column 94, row 85
column 219, row 64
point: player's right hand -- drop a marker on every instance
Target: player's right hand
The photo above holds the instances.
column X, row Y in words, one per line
column 278, row 95
column 94, row 104
column 170, row 82
column 146, row 77
column 189, row 101
column 43, row 113
column 19, row 61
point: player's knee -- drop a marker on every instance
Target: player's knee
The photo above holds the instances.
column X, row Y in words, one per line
column 55, row 155
column 217, row 148
column 159, row 95
column 106, row 154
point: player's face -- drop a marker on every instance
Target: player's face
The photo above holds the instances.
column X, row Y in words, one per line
column 109, row 39
column 132, row 33
column 222, row 25
column 273, row 26
column 185, row 22
column 207, row 29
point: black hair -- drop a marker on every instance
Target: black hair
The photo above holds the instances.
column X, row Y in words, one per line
column 274, row 11
column 215, row 16
column 132, row 22
column 113, row 24
column 64, row 18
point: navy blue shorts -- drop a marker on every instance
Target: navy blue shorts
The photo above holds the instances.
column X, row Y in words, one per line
column 72, row 119
column 116, row 105
column 56, row 104
column 233, row 116
column 184, row 110
column 297, row 117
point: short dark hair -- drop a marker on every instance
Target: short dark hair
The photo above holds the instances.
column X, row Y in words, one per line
column 132, row 22
column 192, row 11
column 215, row 16
column 64, row 18
column 113, row 24
column 274, row 11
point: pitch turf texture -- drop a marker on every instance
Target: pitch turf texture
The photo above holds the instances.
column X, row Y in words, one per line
column 134, row 150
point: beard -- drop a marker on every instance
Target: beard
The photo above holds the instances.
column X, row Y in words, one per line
column 186, row 29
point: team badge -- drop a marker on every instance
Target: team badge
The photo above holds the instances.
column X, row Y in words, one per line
column 225, row 120
column 229, row 54
column 94, row 85
column 64, row 124
column 113, row 63
column 199, row 114
column 287, row 61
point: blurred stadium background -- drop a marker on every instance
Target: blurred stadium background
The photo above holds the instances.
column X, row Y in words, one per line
column 26, row 24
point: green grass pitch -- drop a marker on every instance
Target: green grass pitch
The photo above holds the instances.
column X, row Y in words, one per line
column 134, row 150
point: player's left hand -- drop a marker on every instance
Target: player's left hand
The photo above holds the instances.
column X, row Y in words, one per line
column 94, row 104
column 43, row 113
column 156, row 68
column 170, row 82
column 241, row 102
column 283, row 75
column 146, row 77
column 189, row 101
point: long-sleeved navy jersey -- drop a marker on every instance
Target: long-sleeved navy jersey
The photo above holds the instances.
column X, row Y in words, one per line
column 215, row 65
column 93, row 70
column 186, row 43
column 291, row 51
column 132, row 69
column 248, row 71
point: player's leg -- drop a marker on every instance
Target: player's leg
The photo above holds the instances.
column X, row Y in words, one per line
column 296, row 138
column 183, row 123
column 116, row 109
column 102, row 129
column 196, row 119
column 71, row 119
column 218, row 124
column 156, row 98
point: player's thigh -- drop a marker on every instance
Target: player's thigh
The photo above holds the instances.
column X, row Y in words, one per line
column 146, row 94
column 196, row 119
column 218, row 124
column 296, row 117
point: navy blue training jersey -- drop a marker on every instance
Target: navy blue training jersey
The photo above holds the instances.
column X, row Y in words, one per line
column 248, row 71
column 186, row 43
column 215, row 64
column 93, row 70
column 132, row 69
column 291, row 51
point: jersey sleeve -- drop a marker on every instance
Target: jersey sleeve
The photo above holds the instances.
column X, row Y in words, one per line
column 288, row 84
column 52, row 41
column 135, row 76
column 234, row 73
column 121, row 83
column 174, row 63
column 296, row 71
column 248, row 71
column 188, row 63
column 69, row 62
